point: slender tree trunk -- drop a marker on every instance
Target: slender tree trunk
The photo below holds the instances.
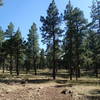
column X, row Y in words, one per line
column 34, row 64
column 27, row 65
column 77, row 64
column 17, row 63
column 3, row 65
column 70, row 57
column 11, row 57
column 71, row 72
column 76, row 73
column 77, row 51
column 54, row 65
column 79, row 72
column 95, row 66
column 11, row 64
column 35, row 69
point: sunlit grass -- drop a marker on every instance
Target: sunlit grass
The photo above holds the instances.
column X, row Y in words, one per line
column 62, row 76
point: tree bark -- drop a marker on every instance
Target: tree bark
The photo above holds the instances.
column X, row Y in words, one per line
column 54, row 65
column 11, row 64
column 17, row 63
column 3, row 65
column 34, row 64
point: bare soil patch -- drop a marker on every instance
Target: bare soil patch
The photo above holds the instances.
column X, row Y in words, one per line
column 49, row 91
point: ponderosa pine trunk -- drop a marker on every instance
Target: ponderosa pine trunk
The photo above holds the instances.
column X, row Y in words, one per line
column 11, row 57
column 34, row 64
column 3, row 65
column 17, row 63
column 54, row 65
column 70, row 56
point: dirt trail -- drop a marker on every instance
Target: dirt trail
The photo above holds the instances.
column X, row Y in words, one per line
column 49, row 91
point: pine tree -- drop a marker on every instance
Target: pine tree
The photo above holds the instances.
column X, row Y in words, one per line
column 86, row 55
column 1, row 48
column 95, row 15
column 27, row 62
column 9, row 35
column 94, row 47
column 18, row 48
column 69, row 36
column 51, row 30
column 79, row 28
column 1, row 36
column 33, row 46
column 76, row 25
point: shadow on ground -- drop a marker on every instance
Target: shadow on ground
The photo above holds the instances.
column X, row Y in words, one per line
column 95, row 92
column 60, row 75
column 85, row 82
column 35, row 81
column 93, row 98
column 61, row 81
column 95, row 95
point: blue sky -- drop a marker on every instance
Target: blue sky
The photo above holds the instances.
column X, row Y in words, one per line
column 22, row 13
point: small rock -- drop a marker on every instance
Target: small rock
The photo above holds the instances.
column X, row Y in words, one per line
column 2, row 95
column 65, row 91
column 7, row 92
column 70, row 91
column 40, row 87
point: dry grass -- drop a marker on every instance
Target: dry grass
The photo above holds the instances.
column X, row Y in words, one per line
column 86, row 85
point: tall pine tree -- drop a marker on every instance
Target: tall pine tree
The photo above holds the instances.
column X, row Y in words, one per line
column 18, row 48
column 51, row 31
column 33, row 46
column 9, row 35
column 95, row 15
column 68, row 18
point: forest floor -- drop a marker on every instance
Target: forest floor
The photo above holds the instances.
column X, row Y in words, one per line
column 42, row 87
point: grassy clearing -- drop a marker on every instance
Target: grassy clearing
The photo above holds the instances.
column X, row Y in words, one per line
column 86, row 85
